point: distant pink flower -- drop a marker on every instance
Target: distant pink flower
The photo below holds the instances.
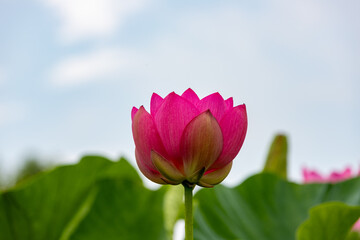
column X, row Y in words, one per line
column 311, row 176
column 185, row 139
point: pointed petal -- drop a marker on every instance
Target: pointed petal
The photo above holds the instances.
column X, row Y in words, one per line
column 229, row 103
column 166, row 168
column 205, row 185
column 155, row 103
column 233, row 126
column 133, row 112
column 191, row 96
column 146, row 136
column 215, row 103
column 167, row 181
column 149, row 172
column 216, row 176
column 201, row 143
column 173, row 115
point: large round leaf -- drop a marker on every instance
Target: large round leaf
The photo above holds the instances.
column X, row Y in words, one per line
column 264, row 207
column 122, row 209
column 96, row 199
column 329, row 221
column 39, row 209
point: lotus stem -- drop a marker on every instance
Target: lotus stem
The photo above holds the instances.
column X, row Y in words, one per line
column 189, row 225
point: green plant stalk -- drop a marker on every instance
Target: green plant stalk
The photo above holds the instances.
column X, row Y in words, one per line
column 189, row 235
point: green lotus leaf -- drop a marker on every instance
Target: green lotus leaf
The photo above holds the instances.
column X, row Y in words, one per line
column 264, row 206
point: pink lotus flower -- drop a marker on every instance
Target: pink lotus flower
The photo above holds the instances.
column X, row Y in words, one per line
column 311, row 176
column 314, row 177
column 185, row 139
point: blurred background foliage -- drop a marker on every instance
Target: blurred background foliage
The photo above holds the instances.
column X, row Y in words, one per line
column 32, row 165
column 102, row 199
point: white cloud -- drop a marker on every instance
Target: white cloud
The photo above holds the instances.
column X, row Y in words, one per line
column 89, row 67
column 233, row 44
column 82, row 19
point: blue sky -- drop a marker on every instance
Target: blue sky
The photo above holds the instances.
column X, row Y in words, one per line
column 70, row 72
